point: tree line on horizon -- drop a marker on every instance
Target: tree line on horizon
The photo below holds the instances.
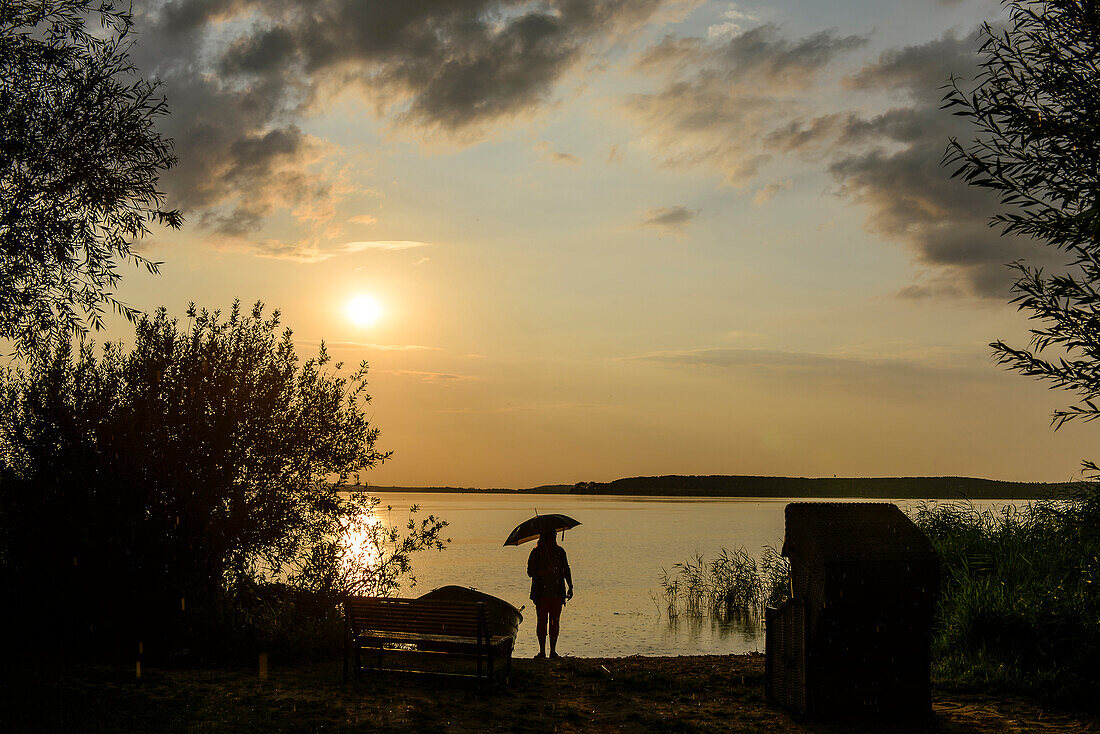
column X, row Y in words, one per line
column 954, row 488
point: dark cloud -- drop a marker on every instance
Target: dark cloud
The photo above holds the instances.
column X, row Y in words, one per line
column 935, row 289
column 720, row 98
column 240, row 75
column 669, row 217
column 781, row 62
column 920, row 70
column 738, row 104
column 806, row 136
column 891, row 163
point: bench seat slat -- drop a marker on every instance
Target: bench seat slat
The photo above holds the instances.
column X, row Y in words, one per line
column 428, row 626
column 435, row 642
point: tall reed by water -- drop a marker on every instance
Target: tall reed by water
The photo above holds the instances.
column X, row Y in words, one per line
column 1019, row 600
column 734, row 585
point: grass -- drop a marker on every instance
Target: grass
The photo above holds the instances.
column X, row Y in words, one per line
column 635, row 694
column 1019, row 604
column 735, row 585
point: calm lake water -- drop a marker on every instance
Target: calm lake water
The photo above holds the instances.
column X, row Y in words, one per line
column 616, row 556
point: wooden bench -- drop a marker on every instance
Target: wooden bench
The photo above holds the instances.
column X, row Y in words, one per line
column 387, row 628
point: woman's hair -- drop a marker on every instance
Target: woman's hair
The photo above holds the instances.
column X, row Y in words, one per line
column 547, row 537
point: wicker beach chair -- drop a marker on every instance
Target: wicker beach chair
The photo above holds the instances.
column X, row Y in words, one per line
column 855, row 636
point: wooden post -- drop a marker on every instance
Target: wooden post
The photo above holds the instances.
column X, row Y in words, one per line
column 347, row 639
column 263, row 666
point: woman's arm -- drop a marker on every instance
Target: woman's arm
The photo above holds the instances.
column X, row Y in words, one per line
column 568, row 574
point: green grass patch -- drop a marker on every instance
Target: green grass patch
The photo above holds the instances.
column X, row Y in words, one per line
column 1019, row 605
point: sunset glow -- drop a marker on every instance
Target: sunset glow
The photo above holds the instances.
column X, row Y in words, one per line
column 364, row 310
column 688, row 238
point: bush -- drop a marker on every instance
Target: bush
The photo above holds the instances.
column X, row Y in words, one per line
column 1019, row 600
column 161, row 489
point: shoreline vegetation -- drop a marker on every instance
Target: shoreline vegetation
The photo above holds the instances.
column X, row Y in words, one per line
column 1018, row 603
column 721, row 485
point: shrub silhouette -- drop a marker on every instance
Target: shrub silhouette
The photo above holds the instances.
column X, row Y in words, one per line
column 156, row 487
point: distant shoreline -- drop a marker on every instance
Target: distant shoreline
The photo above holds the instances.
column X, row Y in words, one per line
column 949, row 488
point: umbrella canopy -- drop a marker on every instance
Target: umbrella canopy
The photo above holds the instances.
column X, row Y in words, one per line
column 537, row 525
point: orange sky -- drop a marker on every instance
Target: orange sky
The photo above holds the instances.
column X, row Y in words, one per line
column 650, row 237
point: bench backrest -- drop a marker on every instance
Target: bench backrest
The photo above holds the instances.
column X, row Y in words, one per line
column 416, row 616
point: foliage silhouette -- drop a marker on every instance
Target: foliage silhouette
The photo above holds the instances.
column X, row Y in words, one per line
column 734, row 585
column 169, row 482
column 1019, row 602
column 1019, row 595
column 79, row 164
column 1036, row 108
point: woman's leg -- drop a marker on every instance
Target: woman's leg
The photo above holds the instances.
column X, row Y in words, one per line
column 554, row 615
column 542, row 615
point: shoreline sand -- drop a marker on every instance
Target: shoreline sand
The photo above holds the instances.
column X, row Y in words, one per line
column 632, row 694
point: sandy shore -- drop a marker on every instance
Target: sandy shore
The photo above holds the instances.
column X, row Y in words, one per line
column 635, row 694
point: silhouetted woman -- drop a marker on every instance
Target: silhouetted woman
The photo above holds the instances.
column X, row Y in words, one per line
column 548, row 568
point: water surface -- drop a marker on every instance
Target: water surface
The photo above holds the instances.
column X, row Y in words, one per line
column 616, row 556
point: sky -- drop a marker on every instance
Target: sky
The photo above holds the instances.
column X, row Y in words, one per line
column 605, row 238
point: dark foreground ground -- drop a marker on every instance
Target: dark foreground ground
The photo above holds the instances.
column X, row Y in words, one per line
column 714, row 693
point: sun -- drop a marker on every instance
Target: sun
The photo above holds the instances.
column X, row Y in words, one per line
column 363, row 310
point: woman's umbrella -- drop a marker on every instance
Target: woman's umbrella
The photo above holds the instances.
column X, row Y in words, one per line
column 537, row 525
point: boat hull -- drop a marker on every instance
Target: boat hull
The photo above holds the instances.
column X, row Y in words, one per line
column 504, row 619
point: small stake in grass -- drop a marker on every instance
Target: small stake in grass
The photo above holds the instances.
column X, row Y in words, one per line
column 263, row 666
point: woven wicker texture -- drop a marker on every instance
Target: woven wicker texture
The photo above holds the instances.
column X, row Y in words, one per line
column 785, row 666
column 866, row 578
column 820, row 532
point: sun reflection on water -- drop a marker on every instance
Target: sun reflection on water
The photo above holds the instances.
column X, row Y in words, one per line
column 363, row 542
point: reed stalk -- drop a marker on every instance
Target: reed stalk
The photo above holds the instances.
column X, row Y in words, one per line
column 735, row 585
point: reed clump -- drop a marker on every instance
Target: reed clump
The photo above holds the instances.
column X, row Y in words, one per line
column 1019, row 605
column 735, row 585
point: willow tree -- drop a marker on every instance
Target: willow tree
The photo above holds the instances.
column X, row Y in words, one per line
column 79, row 163
column 1036, row 109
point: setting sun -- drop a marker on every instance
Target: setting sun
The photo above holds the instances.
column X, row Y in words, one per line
column 364, row 310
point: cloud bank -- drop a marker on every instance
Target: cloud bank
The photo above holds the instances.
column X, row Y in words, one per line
column 736, row 102
column 240, row 75
column 720, row 97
